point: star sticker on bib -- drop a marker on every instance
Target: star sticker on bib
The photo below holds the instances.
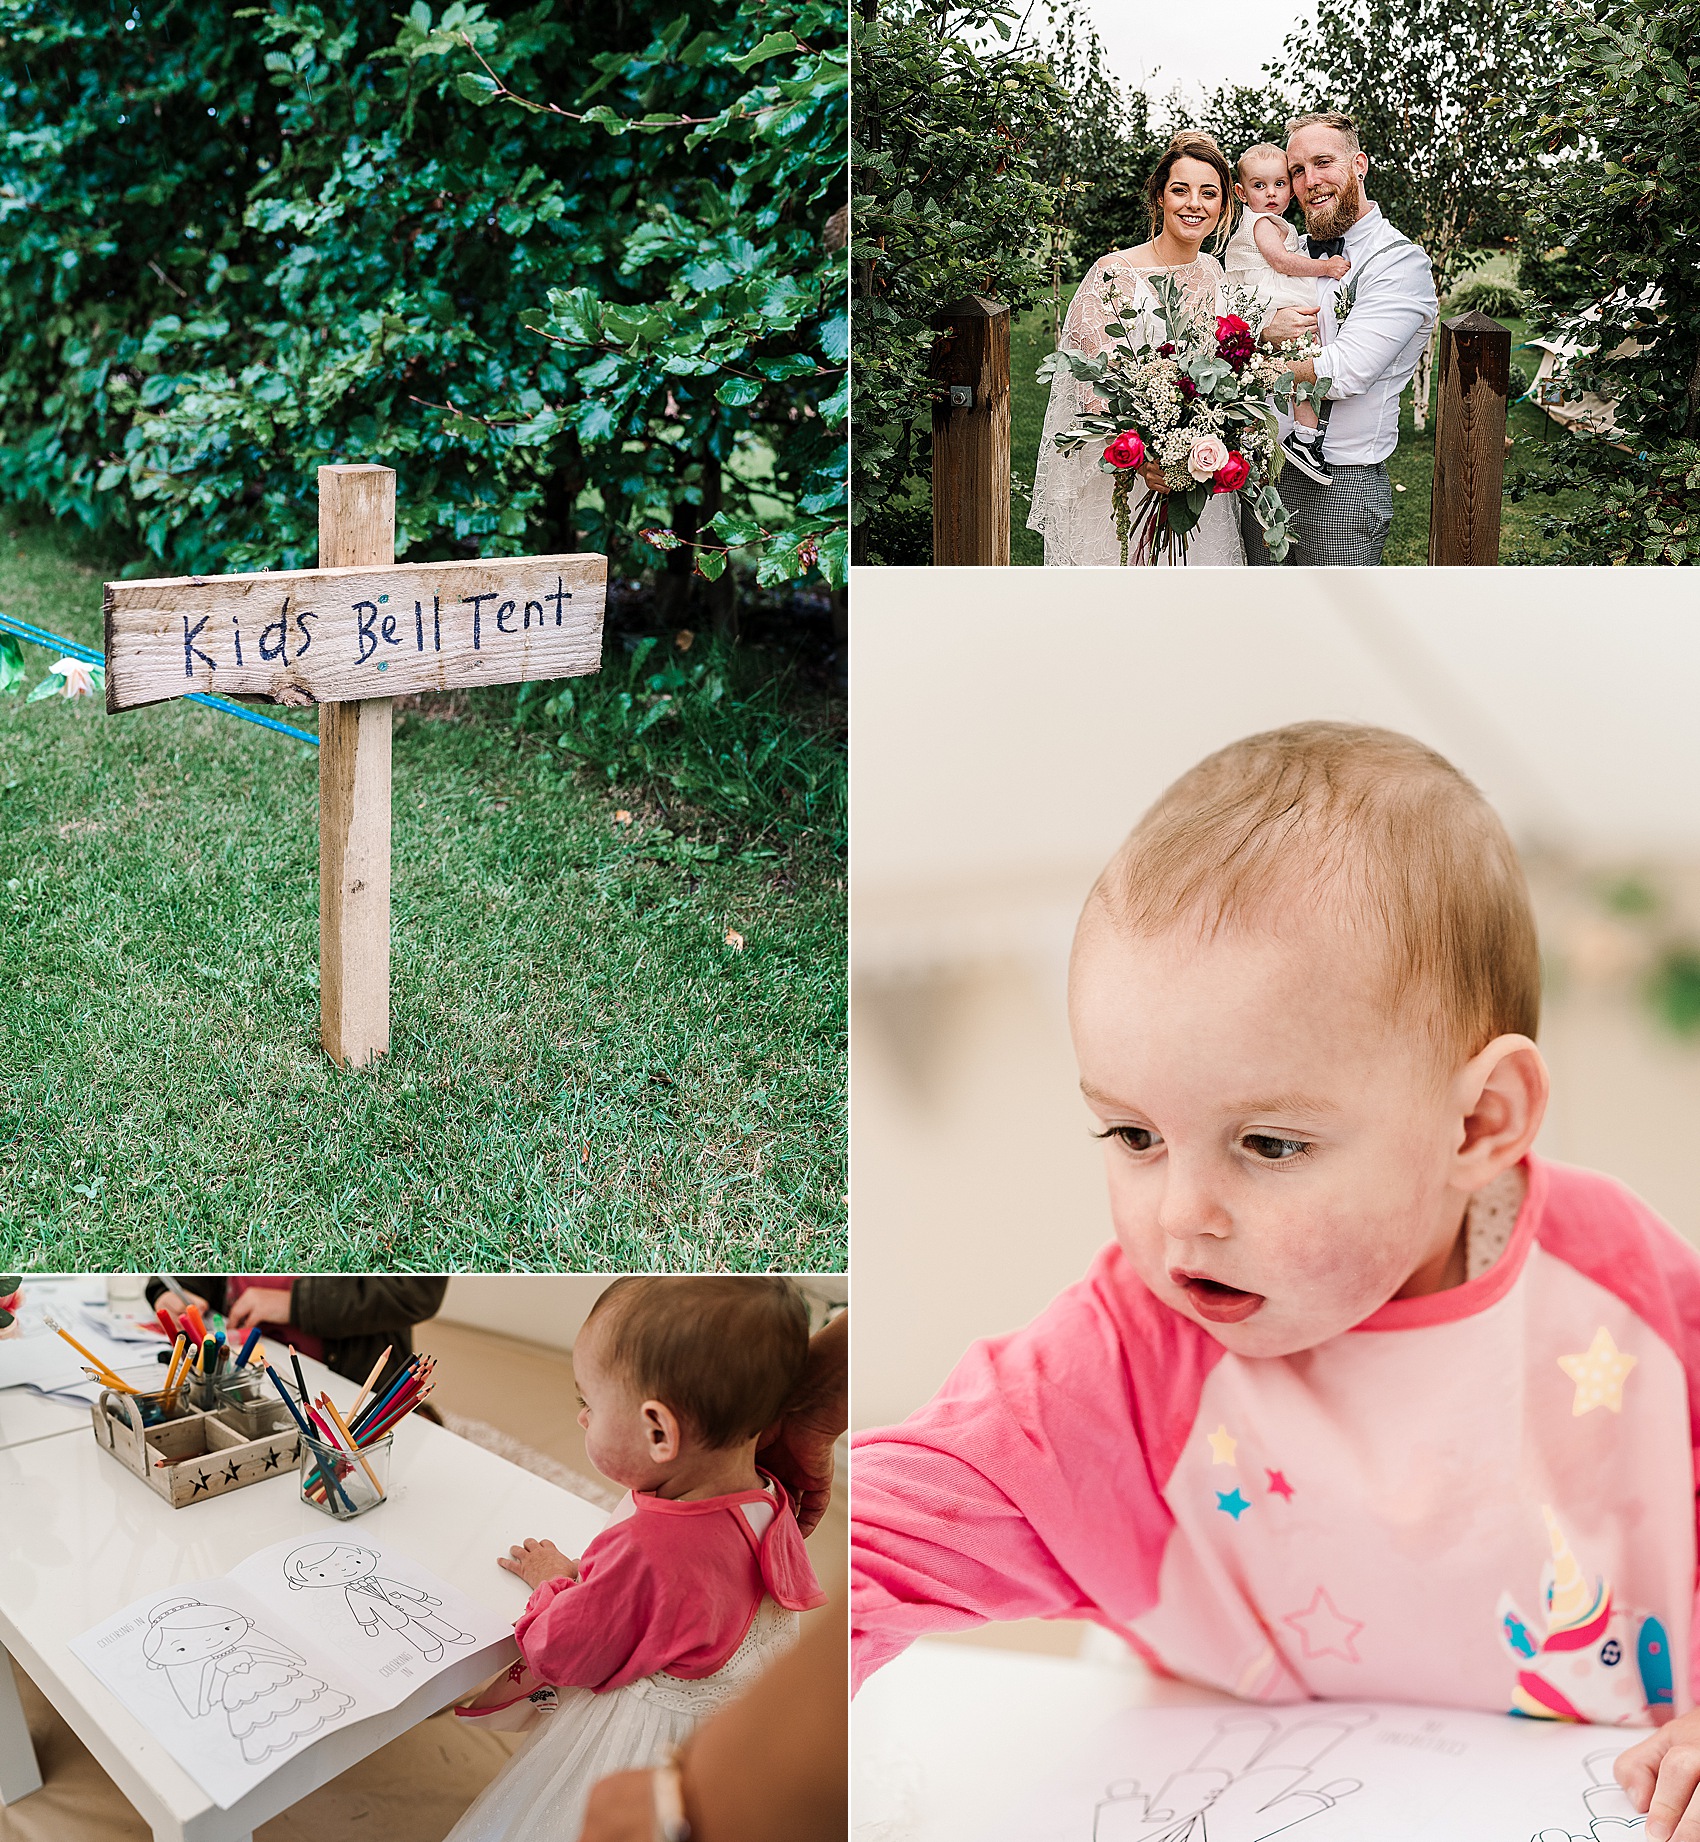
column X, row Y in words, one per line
column 1599, row 1373
column 1278, row 1485
column 1324, row 1630
column 1222, row 1446
column 1233, row 1502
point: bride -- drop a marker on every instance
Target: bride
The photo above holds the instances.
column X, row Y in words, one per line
column 1191, row 200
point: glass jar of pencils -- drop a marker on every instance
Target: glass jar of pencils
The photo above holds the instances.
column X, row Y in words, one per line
column 345, row 1484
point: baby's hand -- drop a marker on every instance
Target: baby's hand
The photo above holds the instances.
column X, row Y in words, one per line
column 537, row 1561
column 1659, row 1777
column 1336, row 267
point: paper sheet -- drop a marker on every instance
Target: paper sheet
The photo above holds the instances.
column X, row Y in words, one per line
column 1335, row 1772
column 36, row 1358
column 237, row 1674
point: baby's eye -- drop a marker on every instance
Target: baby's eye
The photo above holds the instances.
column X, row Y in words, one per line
column 1135, row 1138
column 1276, row 1150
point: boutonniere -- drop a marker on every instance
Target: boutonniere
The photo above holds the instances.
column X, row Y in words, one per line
column 1346, row 298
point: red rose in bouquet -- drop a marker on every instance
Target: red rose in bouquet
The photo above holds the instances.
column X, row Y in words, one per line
column 1234, row 341
column 1127, row 450
column 1232, row 474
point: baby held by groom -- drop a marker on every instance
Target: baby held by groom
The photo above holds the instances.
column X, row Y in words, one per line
column 1268, row 254
column 1372, row 321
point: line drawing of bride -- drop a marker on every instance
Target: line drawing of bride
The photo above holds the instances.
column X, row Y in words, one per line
column 214, row 1658
column 1190, row 198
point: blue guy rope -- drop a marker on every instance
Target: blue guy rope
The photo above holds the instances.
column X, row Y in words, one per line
column 39, row 636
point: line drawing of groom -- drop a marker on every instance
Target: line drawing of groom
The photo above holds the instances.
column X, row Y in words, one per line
column 1368, row 356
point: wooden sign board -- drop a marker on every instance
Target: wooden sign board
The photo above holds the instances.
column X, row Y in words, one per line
column 319, row 636
column 352, row 637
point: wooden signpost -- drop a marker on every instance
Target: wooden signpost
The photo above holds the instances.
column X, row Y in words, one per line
column 1469, row 441
column 351, row 635
column 971, row 435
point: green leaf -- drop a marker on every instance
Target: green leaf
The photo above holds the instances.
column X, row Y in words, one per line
column 50, row 686
column 770, row 46
column 739, row 391
column 11, row 665
column 476, row 87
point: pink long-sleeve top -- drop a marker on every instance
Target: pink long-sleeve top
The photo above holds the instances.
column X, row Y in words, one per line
column 1482, row 1498
column 669, row 1585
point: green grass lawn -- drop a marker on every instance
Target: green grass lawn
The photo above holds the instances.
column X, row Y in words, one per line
column 1411, row 468
column 583, row 1073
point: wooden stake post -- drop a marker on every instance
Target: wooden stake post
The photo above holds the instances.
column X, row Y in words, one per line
column 1469, row 440
column 971, row 435
column 350, row 636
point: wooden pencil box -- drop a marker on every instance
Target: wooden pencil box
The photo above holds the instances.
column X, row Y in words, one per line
column 191, row 1456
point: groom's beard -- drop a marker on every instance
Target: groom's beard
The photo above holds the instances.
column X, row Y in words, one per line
column 1335, row 216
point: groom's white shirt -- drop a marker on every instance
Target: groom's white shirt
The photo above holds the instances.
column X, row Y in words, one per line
column 1369, row 359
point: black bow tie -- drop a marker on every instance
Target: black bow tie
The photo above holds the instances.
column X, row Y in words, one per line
column 1325, row 246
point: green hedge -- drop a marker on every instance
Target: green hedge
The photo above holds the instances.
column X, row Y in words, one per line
column 568, row 272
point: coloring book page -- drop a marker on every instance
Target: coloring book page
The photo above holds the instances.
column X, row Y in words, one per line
column 399, row 1624
column 237, row 1674
column 1335, row 1772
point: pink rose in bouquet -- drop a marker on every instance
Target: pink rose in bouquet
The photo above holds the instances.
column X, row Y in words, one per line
column 1127, row 450
column 1209, row 454
column 1233, row 473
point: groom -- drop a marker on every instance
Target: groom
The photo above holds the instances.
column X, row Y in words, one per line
column 1373, row 326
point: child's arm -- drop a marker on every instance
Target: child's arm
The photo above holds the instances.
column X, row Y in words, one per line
column 1030, row 1486
column 1273, row 247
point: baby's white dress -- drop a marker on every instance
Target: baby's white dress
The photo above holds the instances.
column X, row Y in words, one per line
column 540, row 1794
column 1246, row 264
column 1071, row 493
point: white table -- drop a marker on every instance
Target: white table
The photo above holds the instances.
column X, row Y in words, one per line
column 26, row 1415
column 950, row 1738
column 81, row 1537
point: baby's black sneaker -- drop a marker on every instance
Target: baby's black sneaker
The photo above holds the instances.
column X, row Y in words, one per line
column 1307, row 457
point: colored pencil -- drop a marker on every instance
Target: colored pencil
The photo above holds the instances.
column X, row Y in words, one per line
column 174, row 1373
column 106, row 1373
column 248, row 1347
column 306, row 1430
column 329, row 1406
column 399, row 1381
column 371, row 1382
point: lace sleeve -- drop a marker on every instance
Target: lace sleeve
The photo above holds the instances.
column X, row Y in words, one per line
column 1061, row 482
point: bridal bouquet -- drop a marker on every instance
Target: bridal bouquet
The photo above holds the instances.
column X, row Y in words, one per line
column 1200, row 404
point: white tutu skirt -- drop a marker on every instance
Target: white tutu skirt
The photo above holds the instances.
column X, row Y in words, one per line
column 540, row 1794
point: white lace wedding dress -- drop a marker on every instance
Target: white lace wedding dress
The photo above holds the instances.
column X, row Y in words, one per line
column 1071, row 493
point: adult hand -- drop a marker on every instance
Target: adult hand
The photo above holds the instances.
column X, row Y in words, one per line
column 260, row 1305
column 1288, row 323
column 1153, row 476
column 799, row 1450
column 621, row 1809
column 537, row 1561
column 179, row 1302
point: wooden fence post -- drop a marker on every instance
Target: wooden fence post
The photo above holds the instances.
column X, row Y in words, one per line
column 1469, row 440
column 971, row 435
column 356, row 525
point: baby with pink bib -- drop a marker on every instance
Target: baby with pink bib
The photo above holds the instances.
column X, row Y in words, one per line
column 1364, row 1401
